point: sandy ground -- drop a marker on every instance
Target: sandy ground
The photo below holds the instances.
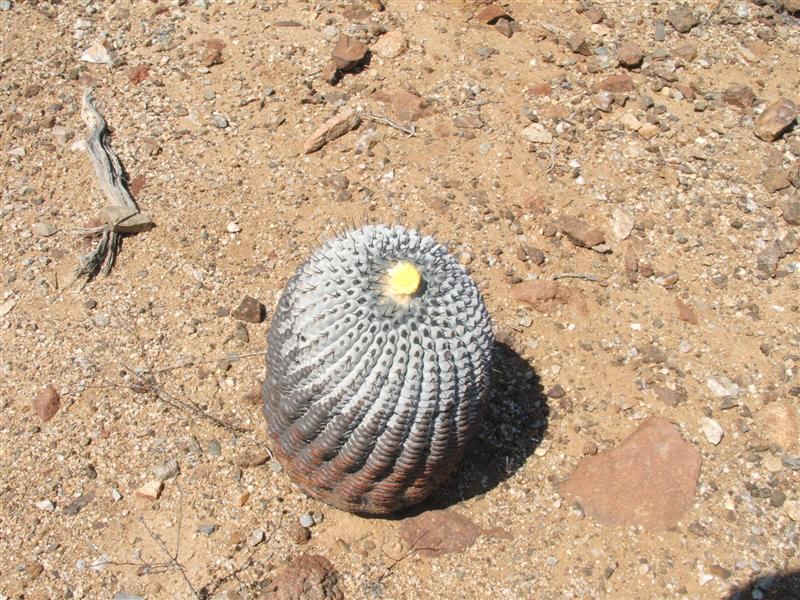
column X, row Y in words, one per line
column 210, row 104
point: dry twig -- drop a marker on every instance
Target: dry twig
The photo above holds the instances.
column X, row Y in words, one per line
column 583, row 276
column 410, row 130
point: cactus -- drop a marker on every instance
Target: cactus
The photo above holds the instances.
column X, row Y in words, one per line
column 377, row 369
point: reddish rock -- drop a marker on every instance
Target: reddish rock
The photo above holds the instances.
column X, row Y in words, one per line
column 595, row 15
column 775, row 180
column 408, row 106
column 32, row 90
column 467, row 121
column 649, row 479
column 213, row 52
column 685, row 312
column 136, row 185
column 330, row 73
column 437, row 532
column 682, row 19
column 791, row 212
column 491, row 13
column 775, row 119
column 348, row 52
column 46, row 403
column 539, row 293
column 618, row 83
column 777, row 423
column 540, row 89
column 333, row 128
column 137, row 75
column 669, row 396
column 685, row 90
column 307, row 577
column 630, row 54
column 390, row 45
column 249, row 310
column 579, row 45
column 739, row 95
column 687, row 51
column 580, row 232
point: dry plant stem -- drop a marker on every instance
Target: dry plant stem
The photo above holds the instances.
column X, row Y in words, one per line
column 173, row 559
column 193, row 363
column 110, row 175
column 583, row 276
column 411, row 131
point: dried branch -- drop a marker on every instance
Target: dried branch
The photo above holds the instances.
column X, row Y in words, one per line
column 121, row 215
column 583, row 276
column 411, row 130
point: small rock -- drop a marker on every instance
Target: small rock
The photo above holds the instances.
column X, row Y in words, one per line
column 408, row 106
column 390, row 45
column 590, row 448
column 649, row 130
column 249, row 310
column 308, row 576
column 45, row 505
column 619, row 83
column 333, row 128
column 595, row 15
column 467, row 121
column 62, row 135
column 207, row 528
column 580, row 232
column 556, row 392
column 30, row 91
column 256, row 538
column 723, row 387
column 537, row 133
column 247, row 460
column 778, row 423
column 306, row 520
column 577, row 43
column 603, row 101
column 777, row 498
column 97, row 53
column 622, row 224
column 630, row 55
column 298, row 534
column 669, row 396
column 630, row 122
column 5, row 5
column 540, row 294
column 44, row 229
column 34, row 569
column 775, row 119
column 791, row 212
column 7, row 306
column 150, row 490
column 740, row 95
column 46, row 403
column 233, row 227
column 348, row 52
column 649, row 479
column 685, row 312
column 167, row 469
column 775, row 180
column 792, row 509
column 127, row 596
column 682, row 19
column 437, row 532
column 220, row 121
column 77, row 505
column 136, row 75
column 490, row 14
column 712, row 430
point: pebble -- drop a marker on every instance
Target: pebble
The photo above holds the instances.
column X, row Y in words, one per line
column 219, row 120
column 44, row 229
column 256, row 538
column 712, row 430
column 630, row 55
column 250, row 310
column 790, row 211
column 306, row 520
column 390, row 45
column 167, row 469
column 723, row 387
column 775, row 119
column 307, row 576
column 116, row 496
column 214, row 448
column 682, row 19
column 233, row 227
column 580, row 233
column 99, row 54
column 247, row 460
column 437, row 532
column 298, row 534
column 5, row 4
column 45, row 505
column 150, row 490
column 536, row 133
column 778, row 423
column 127, row 596
column 207, row 528
column 792, row 509
column 101, row 320
column 739, row 95
column 348, row 52
column 622, row 224
column 335, row 127
column 46, row 403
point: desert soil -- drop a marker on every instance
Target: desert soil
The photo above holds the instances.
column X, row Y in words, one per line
column 648, row 147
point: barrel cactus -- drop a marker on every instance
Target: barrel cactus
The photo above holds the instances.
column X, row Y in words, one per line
column 378, row 365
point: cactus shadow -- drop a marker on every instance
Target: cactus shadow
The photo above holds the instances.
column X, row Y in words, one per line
column 778, row 586
column 514, row 423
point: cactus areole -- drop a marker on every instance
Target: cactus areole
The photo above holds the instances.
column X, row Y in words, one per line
column 377, row 369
